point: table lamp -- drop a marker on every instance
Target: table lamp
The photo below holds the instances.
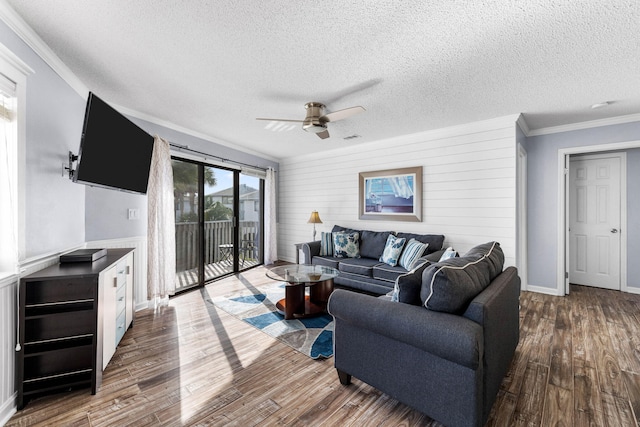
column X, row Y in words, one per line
column 314, row 219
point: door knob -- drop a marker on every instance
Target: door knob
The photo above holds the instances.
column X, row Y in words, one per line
column 614, row 230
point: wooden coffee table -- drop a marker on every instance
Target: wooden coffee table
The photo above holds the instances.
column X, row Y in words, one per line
column 298, row 277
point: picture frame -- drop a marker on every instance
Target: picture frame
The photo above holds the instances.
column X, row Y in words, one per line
column 391, row 195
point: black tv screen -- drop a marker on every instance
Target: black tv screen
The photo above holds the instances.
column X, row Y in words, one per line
column 114, row 152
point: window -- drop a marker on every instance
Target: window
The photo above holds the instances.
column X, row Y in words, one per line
column 13, row 73
column 8, row 177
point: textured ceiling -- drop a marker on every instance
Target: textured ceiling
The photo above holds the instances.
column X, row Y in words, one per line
column 214, row 66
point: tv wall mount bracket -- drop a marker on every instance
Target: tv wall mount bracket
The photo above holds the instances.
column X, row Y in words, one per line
column 69, row 167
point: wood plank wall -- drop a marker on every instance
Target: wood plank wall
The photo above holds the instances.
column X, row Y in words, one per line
column 469, row 186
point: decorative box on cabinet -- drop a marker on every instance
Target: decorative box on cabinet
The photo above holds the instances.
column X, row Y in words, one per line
column 68, row 316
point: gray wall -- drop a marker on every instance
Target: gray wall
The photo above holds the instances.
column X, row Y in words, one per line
column 54, row 211
column 106, row 210
column 633, row 218
column 542, row 206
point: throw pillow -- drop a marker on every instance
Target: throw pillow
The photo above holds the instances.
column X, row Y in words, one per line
column 449, row 253
column 407, row 286
column 435, row 241
column 326, row 244
column 392, row 250
column 372, row 243
column 346, row 245
column 450, row 286
column 412, row 251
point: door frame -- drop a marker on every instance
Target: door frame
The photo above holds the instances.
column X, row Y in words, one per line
column 622, row 156
column 521, row 203
column 562, row 280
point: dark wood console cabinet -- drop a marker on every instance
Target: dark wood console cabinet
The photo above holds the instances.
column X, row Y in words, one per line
column 69, row 325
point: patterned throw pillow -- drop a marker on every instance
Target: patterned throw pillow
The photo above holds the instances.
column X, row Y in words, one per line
column 412, row 251
column 346, row 245
column 449, row 253
column 326, row 244
column 392, row 250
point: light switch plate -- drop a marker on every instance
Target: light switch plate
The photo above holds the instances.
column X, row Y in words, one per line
column 133, row 214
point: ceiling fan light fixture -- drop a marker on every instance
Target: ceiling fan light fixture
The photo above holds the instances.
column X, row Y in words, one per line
column 314, row 127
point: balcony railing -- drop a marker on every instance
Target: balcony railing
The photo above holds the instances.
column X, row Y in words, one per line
column 217, row 234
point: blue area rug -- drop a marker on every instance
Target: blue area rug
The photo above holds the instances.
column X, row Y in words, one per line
column 312, row 336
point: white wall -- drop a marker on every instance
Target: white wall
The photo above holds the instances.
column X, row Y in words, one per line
column 469, row 186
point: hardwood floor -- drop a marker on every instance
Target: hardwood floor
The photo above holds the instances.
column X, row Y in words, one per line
column 578, row 363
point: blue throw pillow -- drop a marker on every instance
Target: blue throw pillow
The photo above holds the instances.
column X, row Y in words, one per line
column 449, row 253
column 326, row 244
column 392, row 250
column 412, row 251
column 346, row 245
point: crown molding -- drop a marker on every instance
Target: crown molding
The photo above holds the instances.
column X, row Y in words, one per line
column 585, row 125
column 170, row 125
column 522, row 123
column 18, row 25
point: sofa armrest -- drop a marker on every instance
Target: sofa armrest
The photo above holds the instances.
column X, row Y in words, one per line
column 447, row 336
column 497, row 309
column 310, row 249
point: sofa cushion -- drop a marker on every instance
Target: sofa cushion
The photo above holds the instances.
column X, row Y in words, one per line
column 408, row 285
column 327, row 261
column 382, row 271
column 413, row 250
column 326, row 244
column 346, row 245
column 360, row 266
column 392, row 250
column 450, row 285
column 372, row 243
column 435, row 241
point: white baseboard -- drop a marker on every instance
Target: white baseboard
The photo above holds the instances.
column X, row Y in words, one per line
column 543, row 290
column 632, row 290
column 7, row 409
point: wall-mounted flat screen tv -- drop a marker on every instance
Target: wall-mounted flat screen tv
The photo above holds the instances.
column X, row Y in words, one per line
column 114, row 152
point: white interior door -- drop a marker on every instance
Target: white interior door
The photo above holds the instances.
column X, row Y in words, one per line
column 594, row 221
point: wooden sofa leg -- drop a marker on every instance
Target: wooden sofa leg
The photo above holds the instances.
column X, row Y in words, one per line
column 345, row 379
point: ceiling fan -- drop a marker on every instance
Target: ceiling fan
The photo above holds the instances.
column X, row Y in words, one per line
column 316, row 120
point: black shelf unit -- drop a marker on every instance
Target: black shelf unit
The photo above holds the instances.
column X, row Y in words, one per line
column 60, row 328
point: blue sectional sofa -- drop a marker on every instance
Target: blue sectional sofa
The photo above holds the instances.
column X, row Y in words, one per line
column 366, row 272
column 441, row 343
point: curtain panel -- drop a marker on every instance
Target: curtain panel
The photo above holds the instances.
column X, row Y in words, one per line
column 161, row 264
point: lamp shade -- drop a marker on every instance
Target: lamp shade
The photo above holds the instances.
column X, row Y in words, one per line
column 315, row 218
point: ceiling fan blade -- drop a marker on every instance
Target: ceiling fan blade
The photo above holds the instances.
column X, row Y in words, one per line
column 280, row 120
column 324, row 134
column 341, row 114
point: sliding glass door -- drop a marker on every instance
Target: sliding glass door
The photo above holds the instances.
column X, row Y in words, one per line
column 251, row 209
column 186, row 192
column 219, row 232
